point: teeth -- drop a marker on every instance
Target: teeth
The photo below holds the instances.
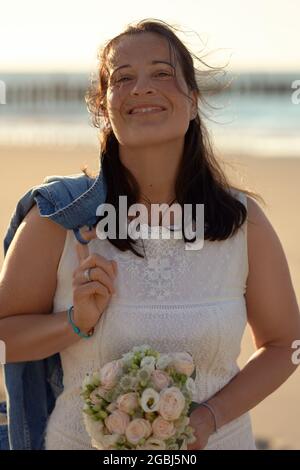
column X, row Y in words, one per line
column 144, row 110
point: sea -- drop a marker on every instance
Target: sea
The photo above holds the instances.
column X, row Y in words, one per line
column 257, row 113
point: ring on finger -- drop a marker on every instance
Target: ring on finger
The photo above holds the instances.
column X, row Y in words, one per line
column 87, row 274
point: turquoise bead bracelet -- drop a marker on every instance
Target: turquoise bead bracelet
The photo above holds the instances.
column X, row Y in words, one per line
column 75, row 328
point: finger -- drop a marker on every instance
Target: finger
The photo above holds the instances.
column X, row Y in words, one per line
column 88, row 289
column 96, row 260
column 82, row 249
column 96, row 274
column 89, row 234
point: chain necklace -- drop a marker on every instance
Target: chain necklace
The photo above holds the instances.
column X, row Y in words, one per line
column 145, row 198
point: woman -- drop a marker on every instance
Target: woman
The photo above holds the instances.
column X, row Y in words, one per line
column 154, row 150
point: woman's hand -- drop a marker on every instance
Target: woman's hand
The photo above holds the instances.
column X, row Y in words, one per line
column 90, row 298
column 203, row 423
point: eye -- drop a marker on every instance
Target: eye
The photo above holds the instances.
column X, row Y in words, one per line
column 122, row 79
column 164, row 74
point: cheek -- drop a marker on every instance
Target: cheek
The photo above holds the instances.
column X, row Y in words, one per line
column 113, row 99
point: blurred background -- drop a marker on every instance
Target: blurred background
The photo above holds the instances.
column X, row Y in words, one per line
column 48, row 53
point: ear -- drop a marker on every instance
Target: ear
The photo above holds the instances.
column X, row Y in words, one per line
column 194, row 104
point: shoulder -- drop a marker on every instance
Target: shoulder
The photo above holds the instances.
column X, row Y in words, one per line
column 268, row 263
column 261, row 232
column 38, row 234
column 29, row 272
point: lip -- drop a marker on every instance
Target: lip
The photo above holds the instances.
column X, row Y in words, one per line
column 148, row 113
column 162, row 108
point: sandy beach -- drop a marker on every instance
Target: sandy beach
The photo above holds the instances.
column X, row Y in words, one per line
column 276, row 420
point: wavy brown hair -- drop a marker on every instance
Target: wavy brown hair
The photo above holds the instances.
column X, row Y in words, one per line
column 200, row 178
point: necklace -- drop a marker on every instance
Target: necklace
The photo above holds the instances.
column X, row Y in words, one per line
column 145, row 198
column 150, row 202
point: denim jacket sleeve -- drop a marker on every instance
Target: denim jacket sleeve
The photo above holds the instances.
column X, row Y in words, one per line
column 32, row 387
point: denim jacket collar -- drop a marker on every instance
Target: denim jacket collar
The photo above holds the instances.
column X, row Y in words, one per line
column 72, row 215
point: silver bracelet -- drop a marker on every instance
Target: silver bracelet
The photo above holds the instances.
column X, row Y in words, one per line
column 210, row 408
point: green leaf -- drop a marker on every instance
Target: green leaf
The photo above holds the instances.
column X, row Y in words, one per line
column 193, row 406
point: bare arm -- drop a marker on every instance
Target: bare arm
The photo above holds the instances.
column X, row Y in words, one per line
column 273, row 315
column 27, row 287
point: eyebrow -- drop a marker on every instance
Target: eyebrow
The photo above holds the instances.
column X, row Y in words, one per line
column 153, row 62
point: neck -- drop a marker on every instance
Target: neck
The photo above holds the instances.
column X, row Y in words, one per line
column 155, row 168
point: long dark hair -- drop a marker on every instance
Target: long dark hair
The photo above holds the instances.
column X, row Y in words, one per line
column 200, row 177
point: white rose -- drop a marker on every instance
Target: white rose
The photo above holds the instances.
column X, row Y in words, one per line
column 163, row 361
column 190, row 386
column 148, row 363
column 150, row 400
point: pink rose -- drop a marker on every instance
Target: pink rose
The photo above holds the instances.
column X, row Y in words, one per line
column 138, row 429
column 183, row 363
column 98, row 391
column 171, row 403
column 128, row 402
column 109, row 374
column 117, row 422
column 160, row 379
column 163, row 429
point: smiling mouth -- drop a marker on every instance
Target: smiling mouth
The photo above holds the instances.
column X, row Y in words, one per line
column 147, row 113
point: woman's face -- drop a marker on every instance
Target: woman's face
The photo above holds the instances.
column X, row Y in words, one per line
column 145, row 105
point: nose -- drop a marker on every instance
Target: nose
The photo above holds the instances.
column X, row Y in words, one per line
column 143, row 86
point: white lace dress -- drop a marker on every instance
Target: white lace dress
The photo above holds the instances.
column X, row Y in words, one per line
column 175, row 300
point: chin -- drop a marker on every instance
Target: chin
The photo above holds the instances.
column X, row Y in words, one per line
column 158, row 138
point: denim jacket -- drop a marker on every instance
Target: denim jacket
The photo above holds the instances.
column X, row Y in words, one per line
column 32, row 387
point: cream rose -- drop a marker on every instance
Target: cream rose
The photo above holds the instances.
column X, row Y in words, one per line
column 128, row 402
column 171, row 403
column 160, row 379
column 98, row 391
column 183, row 363
column 163, row 429
column 117, row 422
column 109, row 374
column 138, row 429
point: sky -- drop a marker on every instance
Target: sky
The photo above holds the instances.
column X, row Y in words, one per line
column 63, row 35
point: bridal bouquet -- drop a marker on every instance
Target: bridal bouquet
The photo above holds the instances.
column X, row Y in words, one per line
column 141, row 401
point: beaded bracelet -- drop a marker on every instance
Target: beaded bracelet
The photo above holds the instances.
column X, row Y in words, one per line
column 75, row 328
